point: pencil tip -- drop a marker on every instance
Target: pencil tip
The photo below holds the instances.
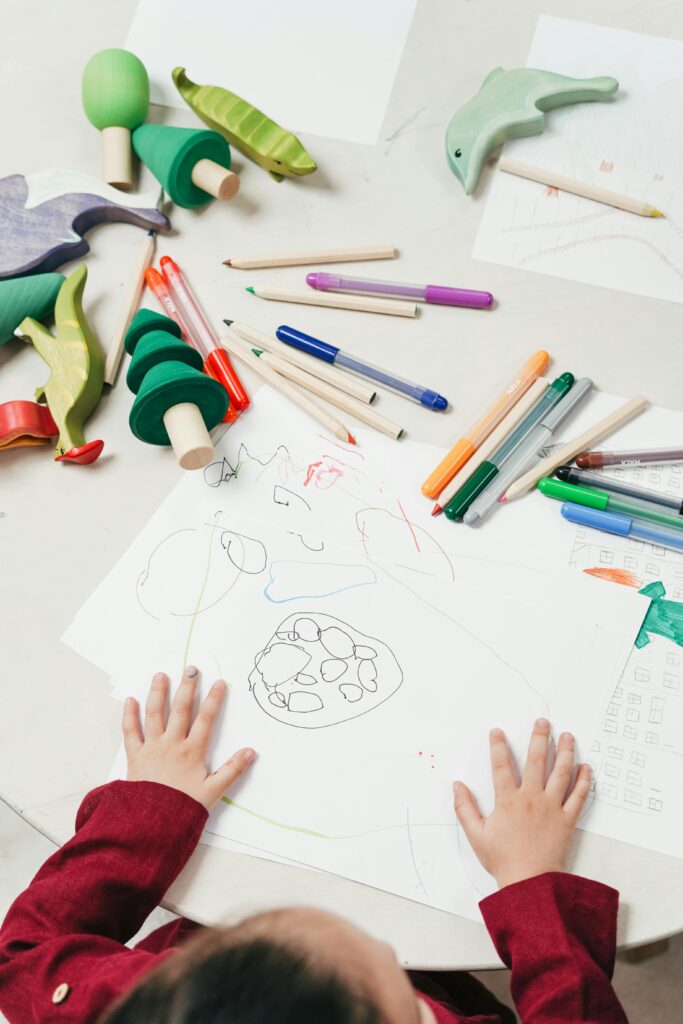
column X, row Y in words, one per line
column 352, row 439
column 227, row 263
column 437, row 510
column 502, row 499
column 228, row 322
column 250, row 289
column 257, row 351
column 657, row 213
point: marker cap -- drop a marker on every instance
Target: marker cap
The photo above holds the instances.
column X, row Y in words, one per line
column 306, row 343
column 585, row 496
column 610, row 522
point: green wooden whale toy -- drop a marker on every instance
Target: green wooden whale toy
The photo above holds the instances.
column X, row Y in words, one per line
column 76, row 370
column 248, row 129
column 510, row 105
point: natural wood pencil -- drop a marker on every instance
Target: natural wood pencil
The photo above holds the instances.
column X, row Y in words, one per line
column 131, row 298
column 345, row 254
column 578, row 188
column 336, row 300
column 236, row 347
column 569, row 451
column 332, row 395
column 325, row 371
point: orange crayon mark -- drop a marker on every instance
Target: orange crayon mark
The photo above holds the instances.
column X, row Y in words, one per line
column 623, row 576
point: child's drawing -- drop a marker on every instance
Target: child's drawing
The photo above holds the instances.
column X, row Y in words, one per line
column 317, row 671
column 295, row 581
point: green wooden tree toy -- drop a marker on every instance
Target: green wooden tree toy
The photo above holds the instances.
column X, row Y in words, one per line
column 192, row 164
column 20, row 297
column 115, row 93
column 76, row 370
column 176, row 403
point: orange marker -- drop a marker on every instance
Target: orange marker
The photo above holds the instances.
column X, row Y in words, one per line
column 463, row 449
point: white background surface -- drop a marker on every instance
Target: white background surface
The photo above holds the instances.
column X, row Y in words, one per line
column 64, row 526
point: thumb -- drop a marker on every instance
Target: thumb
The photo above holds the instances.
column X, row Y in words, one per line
column 467, row 812
column 228, row 774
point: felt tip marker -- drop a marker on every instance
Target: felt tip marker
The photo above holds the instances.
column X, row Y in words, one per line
column 436, row 293
column 623, row 526
column 596, row 460
column 527, row 452
column 463, row 498
column 585, row 478
column 332, row 354
column 607, row 502
column 464, row 448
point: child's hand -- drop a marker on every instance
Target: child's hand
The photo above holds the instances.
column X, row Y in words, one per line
column 174, row 755
column 529, row 830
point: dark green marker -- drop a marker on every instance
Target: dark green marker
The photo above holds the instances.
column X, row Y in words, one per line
column 484, row 474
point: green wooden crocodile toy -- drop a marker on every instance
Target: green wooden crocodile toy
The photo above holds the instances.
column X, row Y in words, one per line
column 76, row 370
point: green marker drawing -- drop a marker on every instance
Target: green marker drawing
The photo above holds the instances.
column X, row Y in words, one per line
column 664, row 618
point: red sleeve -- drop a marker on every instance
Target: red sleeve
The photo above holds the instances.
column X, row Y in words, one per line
column 69, row 927
column 557, row 933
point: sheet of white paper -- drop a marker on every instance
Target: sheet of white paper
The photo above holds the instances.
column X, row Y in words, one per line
column 631, row 146
column 408, row 685
column 325, row 69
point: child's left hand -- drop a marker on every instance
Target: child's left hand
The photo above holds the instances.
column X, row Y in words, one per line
column 174, row 754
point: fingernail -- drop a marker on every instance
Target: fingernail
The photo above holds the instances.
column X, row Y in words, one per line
column 567, row 738
column 496, row 733
column 248, row 755
column 586, row 769
column 542, row 723
column 191, row 671
column 159, row 677
column 219, row 685
column 129, row 702
column 455, row 789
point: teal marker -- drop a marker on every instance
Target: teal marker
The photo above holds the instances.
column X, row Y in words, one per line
column 605, row 502
column 482, row 477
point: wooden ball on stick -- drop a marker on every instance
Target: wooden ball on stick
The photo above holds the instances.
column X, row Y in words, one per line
column 115, row 93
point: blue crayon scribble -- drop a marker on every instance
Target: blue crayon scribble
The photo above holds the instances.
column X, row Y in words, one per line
column 292, row 581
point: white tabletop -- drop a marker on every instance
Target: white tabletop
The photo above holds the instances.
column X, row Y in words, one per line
column 63, row 527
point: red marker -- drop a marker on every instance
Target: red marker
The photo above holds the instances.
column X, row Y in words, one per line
column 216, row 360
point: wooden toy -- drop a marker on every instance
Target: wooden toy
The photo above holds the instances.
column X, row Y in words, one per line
column 76, row 370
column 192, row 164
column 176, row 403
column 509, row 105
column 247, row 128
column 115, row 93
column 25, row 424
column 26, row 296
column 43, row 217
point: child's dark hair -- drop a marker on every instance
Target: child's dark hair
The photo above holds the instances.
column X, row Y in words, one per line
column 220, row 978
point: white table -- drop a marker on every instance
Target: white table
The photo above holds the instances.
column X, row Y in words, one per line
column 64, row 527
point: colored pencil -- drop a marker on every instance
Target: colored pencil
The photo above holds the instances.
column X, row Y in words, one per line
column 578, row 188
column 463, row 449
column 240, row 350
column 360, row 303
column 331, row 394
column 344, row 254
column 568, row 451
column 325, row 371
column 131, row 298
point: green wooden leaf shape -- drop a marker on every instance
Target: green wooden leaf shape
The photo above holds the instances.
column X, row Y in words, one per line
column 257, row 136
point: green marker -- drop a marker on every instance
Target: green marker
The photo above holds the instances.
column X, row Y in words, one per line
column 482, row 477
column 605, row 502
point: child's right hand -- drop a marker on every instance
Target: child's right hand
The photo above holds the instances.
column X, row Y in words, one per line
column 173, row 752
column 531, row 825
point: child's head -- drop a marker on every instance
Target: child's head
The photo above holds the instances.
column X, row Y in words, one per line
column 292, row 965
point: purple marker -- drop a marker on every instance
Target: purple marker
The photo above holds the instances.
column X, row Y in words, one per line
column 422, row 293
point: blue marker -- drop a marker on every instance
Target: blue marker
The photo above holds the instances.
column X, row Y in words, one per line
column 623, row 526
column 331, row 354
